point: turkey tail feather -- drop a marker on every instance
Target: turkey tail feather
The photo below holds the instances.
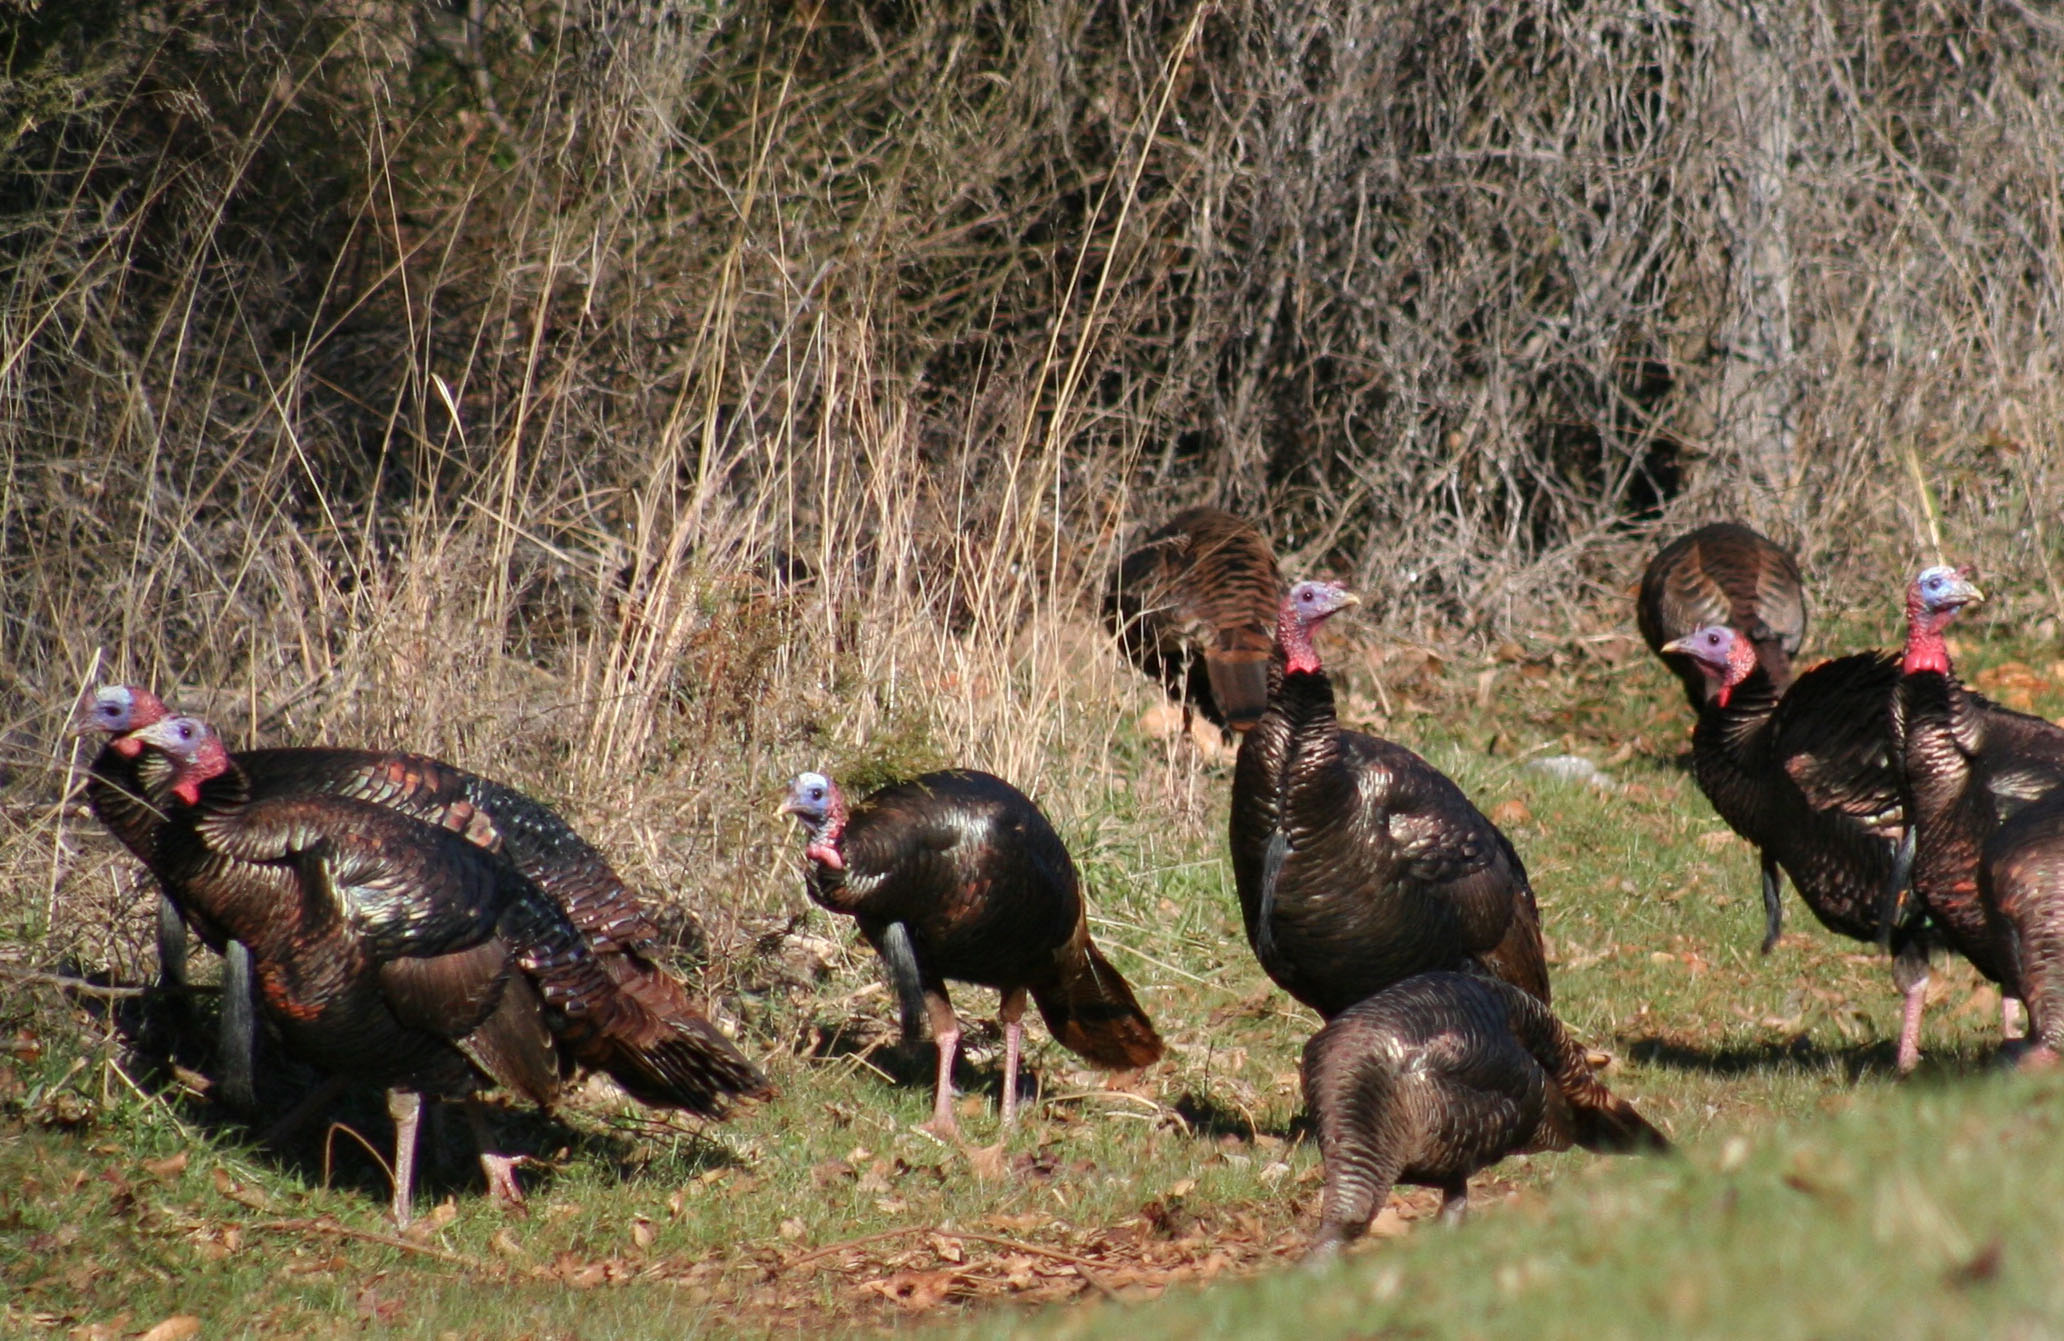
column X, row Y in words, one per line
column 674, row 1063
column 1604, row 1122
column 1239, row 685
column 1091, row 1012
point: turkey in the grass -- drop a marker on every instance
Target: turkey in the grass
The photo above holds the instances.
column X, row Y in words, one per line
column 1441, row 1075
column 116, row 786
column 1358, row 863
column 1970, row 766
column 1723, row 573
column 1193, row 605
column 403, row 954
column 957, row 875
column 534, row 837
column 1812, row 779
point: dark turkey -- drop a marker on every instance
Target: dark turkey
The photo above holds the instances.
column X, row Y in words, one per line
column 534, row 837
column 1969, row 765
column 958, row 875
column 1358, row 863
column 1724, row 573
column 1441, row 1075
column 404, row 954
column 1194, row 605
column 115, row 788
column 1812, row 781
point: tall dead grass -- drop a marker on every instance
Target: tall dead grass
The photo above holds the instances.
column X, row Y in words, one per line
column 643, row 402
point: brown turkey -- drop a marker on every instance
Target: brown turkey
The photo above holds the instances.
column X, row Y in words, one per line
column 534, row 837
column 1969, row 765
column 403, row 954
column 956, row 874
column 1724, row 573
column 1812, row 781
column 1193, row 605
column 1441, row 1075
column 1358, row 863
column 115, row 788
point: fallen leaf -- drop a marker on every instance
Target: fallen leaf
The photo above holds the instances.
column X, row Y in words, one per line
column 170, row 1167
column 987, row 1161
column 641, row 1232
column 915, row 1291
column 178, row 1327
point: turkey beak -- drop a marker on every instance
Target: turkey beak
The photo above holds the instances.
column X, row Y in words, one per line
column 1965, row 592
column 1682, row 645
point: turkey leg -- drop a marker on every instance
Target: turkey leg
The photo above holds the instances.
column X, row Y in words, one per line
column 946, row 1033
column 1012, row 1013
column 406, row 1108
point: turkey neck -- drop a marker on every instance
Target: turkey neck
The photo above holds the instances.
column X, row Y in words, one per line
column 242, row 897
column 1731, row 744
column 116, row 788
column 1951, row 813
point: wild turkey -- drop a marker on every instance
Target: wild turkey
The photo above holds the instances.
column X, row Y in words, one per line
column 1358, row 863
column 542, row 845
column 956, row 874
column 115, row 789
column 1812, row 781
column 1438, row 1076
column 403, row 954
column 1969, row 765
column 1724, row 573
column 1193, row 605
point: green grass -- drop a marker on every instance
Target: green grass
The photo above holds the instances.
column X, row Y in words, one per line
column 1814, row 1194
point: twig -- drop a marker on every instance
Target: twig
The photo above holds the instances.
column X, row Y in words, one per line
column 331, row 1227
column 860, row 1242
column 85, row 988
column 1076, row 1260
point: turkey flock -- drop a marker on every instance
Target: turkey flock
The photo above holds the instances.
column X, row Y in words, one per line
column 396, row 922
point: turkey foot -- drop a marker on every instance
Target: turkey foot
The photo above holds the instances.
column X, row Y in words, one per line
column 499, row 1169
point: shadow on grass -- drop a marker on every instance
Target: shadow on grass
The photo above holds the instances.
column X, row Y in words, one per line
column 1873, row 1061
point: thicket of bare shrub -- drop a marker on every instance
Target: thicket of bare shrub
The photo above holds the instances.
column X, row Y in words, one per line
column 609, row 392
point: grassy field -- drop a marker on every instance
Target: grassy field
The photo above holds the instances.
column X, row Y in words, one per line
column 1814, row 1194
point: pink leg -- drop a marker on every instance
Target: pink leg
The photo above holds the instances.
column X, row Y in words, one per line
column 2013, row 1021
column 946, row 1033
column 1910, row 1026
column 1012, row 1014
column 499, row 1168
column 406, row 1108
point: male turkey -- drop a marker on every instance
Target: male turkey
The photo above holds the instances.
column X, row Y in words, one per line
column 956, row 874
column 1969, row 765
column 1441, row 1075
column 401, row 953
column 1813, row 782
column 1358, row 863
column 1193, row 605
column 115, row 788
column 534, row 837
column 1724, row 573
